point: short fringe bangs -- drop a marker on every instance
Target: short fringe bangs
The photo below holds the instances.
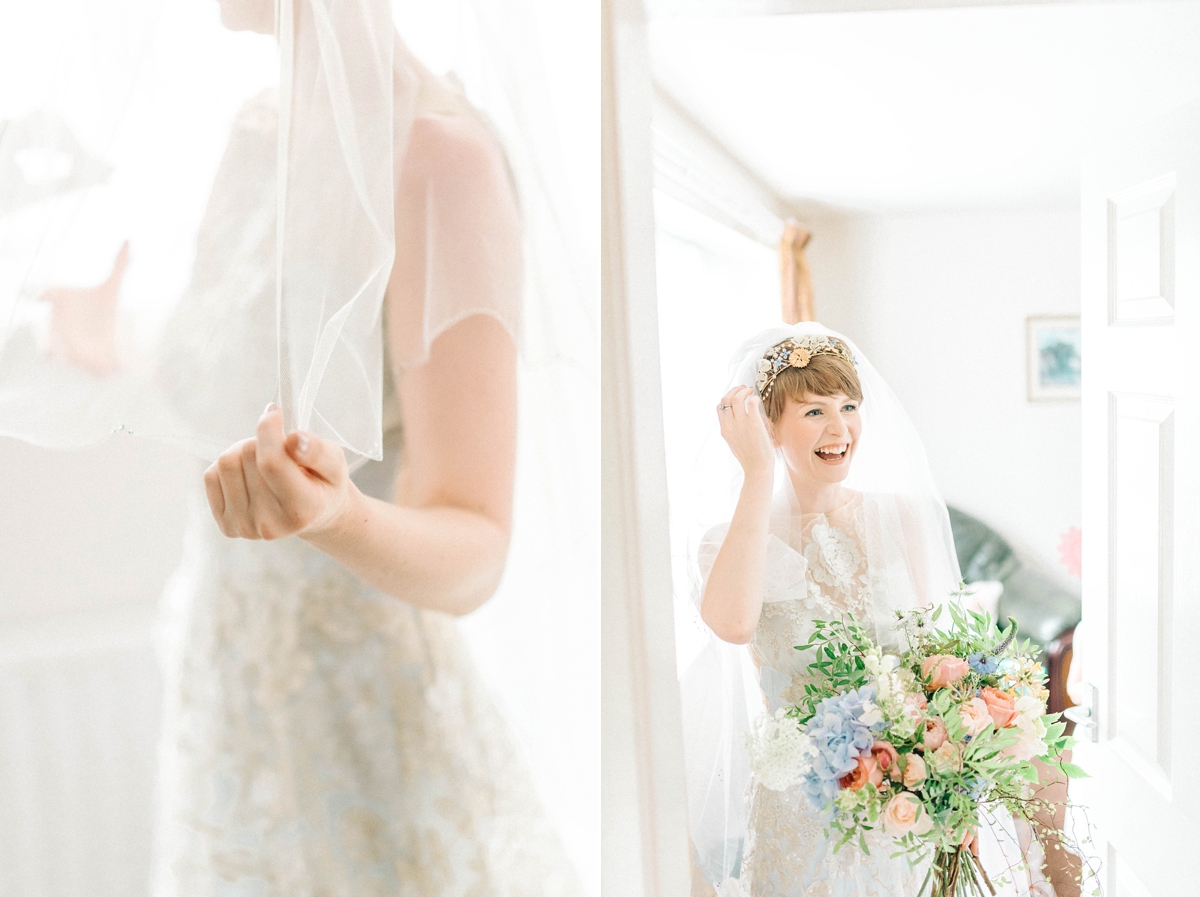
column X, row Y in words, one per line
column 824, row 375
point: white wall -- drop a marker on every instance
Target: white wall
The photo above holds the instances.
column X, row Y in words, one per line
column 938, row 301
column 86, row 529
column 87, row 539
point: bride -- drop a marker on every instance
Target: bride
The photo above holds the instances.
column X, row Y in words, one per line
column 326, row 732
column 837, row 514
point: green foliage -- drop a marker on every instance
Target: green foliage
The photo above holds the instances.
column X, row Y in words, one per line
column 841, row 647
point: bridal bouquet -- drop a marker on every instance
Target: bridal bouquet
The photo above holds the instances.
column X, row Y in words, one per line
column 914, row 743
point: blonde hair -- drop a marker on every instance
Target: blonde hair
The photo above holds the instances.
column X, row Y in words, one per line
column 824, row 375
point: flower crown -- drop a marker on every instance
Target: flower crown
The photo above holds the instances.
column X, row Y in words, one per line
column 795, row 353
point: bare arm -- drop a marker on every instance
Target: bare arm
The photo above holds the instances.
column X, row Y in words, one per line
column 733, row 595
column 442, row 545
column 1063, row 868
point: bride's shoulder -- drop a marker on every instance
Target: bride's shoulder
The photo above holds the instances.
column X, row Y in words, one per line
column 452, row 145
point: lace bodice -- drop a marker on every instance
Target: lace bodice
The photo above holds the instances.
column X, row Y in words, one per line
column 821, row 577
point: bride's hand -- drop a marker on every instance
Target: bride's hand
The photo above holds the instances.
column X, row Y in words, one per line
column 744, row 427
column 83, row 320
column 273, row 486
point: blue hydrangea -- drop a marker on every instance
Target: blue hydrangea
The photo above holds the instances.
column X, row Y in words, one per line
column 982, row 664
column 839, row 736
column 976, row 788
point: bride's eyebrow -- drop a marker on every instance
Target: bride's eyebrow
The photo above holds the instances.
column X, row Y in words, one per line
column 821, row 400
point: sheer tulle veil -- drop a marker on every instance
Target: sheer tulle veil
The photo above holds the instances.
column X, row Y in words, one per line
column 911, row 563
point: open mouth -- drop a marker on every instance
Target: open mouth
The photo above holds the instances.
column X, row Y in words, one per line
column 833, row 454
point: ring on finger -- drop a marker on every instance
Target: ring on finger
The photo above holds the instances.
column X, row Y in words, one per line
column 723, row 407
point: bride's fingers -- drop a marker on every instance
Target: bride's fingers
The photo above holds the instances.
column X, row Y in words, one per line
column 266, row 516
column 742, row 401
column 323, row 459
column 235, row 521
column 287, row 482
column 212, row 489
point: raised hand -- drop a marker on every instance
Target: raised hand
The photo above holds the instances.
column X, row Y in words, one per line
column 745, row 428
column 274, row 486
column 83, row 320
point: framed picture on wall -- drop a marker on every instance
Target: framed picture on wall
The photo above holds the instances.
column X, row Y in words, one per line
column 1052, row 351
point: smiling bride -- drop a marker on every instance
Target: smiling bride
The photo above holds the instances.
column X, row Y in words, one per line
column 837, row 514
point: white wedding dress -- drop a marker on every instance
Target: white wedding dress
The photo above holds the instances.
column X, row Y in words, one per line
column 321, row 739
column 823, row 574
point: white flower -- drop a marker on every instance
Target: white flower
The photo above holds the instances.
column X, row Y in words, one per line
column 871, row 714
column 1028, row 705
column 878, row 663
column 1031, row 729
column 779, row 752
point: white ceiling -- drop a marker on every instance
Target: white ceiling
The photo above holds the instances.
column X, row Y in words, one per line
column 925, row 109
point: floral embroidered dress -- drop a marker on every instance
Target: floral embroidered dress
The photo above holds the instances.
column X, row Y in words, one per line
column 818, row 569
column 822, row 576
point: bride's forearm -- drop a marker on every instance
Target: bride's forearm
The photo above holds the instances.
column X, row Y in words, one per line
column 1063, row 867
column 440, row 558
column 733, row 596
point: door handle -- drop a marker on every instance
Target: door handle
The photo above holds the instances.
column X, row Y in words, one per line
column 1083, row 716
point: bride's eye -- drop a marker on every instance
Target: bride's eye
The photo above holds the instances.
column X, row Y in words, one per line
column 850, row 407
column 812, row 411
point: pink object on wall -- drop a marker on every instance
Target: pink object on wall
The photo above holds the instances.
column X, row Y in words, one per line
column 1070, row 550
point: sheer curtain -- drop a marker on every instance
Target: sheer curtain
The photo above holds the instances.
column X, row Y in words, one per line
column 532, row 67
column 715, row 288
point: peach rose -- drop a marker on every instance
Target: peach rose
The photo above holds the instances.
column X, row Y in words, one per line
column 943, row 670
column 904, row 814
column 947, row 757
column 935, row 733
column 1000, row 705
column 916, row 700
column 885, row 757
column 866, row 771
column 975, row 716
column 914, row 771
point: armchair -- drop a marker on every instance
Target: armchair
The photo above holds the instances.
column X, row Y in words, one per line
column 1045, row 612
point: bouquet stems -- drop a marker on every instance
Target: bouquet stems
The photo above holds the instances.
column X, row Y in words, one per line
column 958, row 873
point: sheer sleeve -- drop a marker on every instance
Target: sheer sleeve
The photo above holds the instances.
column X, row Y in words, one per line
column 459, row 235
column 706, row 556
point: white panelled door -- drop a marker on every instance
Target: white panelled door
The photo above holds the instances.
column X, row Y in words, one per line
column 1141, row 504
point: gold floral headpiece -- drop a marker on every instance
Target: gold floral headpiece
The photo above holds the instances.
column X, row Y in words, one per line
column 795, row 353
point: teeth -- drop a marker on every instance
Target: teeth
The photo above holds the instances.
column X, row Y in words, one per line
column 833, row 449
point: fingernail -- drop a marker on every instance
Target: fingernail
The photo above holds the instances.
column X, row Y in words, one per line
column 302, row 442
column 271, row 406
